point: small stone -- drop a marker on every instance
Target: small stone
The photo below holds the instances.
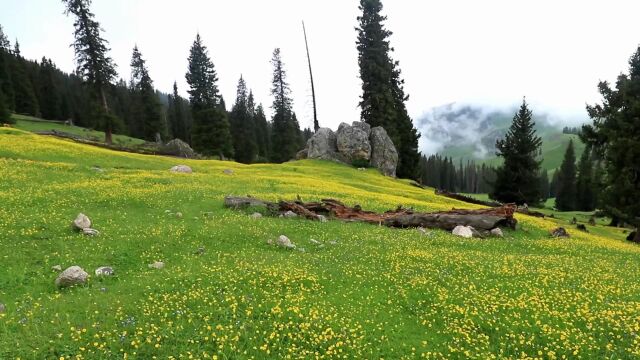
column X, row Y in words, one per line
column 301, row 249
column 57, row 268
column 422, row 231
column 157, row 265
column 104, row 271
column 90, row 232
column 497, row 232
column 103, row 289
column 269, row 241
column 227, row 171
column 200, row 251
column 73, row 275
column 284, row 242
column 179, row 215
column 181, row 169
column 256, row 215
column 315, row 242
column 322, row 218
column 333, row 242
column 463, row 231
column 82, row 221
column 559, row 232
column 3, row 308
column 361, row 169
column 289, row 214
column 97, row 169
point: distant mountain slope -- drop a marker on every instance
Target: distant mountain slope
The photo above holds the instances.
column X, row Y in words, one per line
column 469, row 133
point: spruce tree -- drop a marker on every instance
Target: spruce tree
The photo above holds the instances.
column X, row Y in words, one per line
column 210, row 134
column 141, row 83
column 177, row 120
column 49, row 93
column 285, row 136
column 544, row 185
column 383, row 98
column 6, row 85
column 615, row 135
column 566, row 195
column 263, row 138
column 23, row 90
column 585, row 197
column 93, row 64
column 5, row 116
column 242, row 126
column 517, row 178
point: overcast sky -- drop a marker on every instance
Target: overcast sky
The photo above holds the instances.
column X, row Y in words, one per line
column 484, row 52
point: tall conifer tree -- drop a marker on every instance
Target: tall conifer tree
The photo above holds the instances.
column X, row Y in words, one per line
column 585, row 188
column 152, row 120
column 242, row 126
column 566, row 194
column 285, row 136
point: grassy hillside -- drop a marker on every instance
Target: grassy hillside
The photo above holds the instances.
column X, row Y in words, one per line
column 368, row 292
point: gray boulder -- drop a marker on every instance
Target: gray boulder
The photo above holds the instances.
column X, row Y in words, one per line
column 323, row 145
column 181, row 169
column 157, row 265
column 104, row 271
column 179, row 148
column 463, row 231
column 353, row 142
column 73, row 275
column 81, row 222
column 362, row 126
column 384, row 155
column 284, row 242
column 497, row 232
column 302, row 154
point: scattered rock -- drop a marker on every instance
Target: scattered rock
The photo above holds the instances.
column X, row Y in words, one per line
column 574, row 221
column 581, row 227
column 353, row 143
column 632, row 236
column 97, row 169
column 157, row 265
column 333, row 242
column 179, row 148
column 256, row 215
column 73, row 275
column 497, row 232
column 90, row 232
column 181, row 169
column 3, row 308
column 315, row 242
column 269, row 241
column 592, row 221
column 322, row 218
column 463, row 231
column 284, row 242
column 57, row 268
column 361, row 169
column 301, row 249
column 104, row 271
column 200, row 251
column 227, row 171
column 179, row 215
column 384, row 155
column 559, row 232
column 82, row 221
column 289, row 214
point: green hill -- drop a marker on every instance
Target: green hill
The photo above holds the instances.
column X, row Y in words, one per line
column 365, row 292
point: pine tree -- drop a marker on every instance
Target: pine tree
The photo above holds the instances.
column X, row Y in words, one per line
column 6, row 85
column 242, row 126
column 177, row 120
column 141, row 83
column 285, row 136
column 23, row 90
column 210, row 134
column 49, row 94
column 553, row 185
column 615, row 135
column 566, row 196
column 4, row 40
column 585, row 197
column 544, row 185
column 383, row 98
column 263, row 138
column 5, row 116
column 93, row 64
column 517, row 178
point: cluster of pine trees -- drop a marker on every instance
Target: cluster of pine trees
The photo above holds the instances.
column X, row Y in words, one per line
column 577, row 186
column 441, row 173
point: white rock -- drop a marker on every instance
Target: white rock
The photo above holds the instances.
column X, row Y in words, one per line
column 2, row 308
column 104, row 271
column 157, row 265
column 284, row 242
column 181, row 169
column 315, row 242
column 57, row 268
column 422, row 231
column 179, row 215
column 464, row 231
column 333, row 242
column 90, row 232
column 497, row 232
column 227, row 171
column 256, row 215
column 82, row 221
column 289, row 214
column 73, row 275
column 361, row 169
column 322, row 218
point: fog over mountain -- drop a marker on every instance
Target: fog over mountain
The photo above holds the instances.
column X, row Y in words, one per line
column 476, row 127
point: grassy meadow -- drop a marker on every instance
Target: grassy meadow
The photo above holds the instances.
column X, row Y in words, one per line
column 365, row 292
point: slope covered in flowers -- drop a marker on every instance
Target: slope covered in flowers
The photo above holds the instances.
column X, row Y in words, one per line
column 366, row 292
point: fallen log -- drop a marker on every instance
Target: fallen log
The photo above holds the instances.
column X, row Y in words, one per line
column 480, row 219
column 470, row 200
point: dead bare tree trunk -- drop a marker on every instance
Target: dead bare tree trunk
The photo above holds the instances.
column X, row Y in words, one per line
column 316, row 125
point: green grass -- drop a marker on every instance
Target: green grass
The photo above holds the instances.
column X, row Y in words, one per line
column 375, row 293
column 29, row 123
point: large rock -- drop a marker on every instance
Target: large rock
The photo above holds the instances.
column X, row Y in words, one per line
column 81, row 222
column 463, row 231
column 73, row 275
column 284, row 242
column 181, row 169
column 179, row 148
column 323, row 145
column 384, row 155
column 353, row 142
column 362, row 126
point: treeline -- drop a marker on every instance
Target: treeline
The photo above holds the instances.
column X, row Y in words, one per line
column 441, row 173
column 577, row 187
column 571, row 130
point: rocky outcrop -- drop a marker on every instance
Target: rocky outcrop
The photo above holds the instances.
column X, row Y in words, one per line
column 179, row 148
column 355, row 144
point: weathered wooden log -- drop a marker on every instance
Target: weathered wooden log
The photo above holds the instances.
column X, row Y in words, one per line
column 480, row 219
column 471, row 200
